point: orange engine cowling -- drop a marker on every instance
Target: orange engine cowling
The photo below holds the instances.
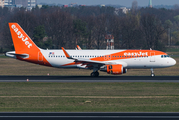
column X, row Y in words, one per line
column 114, row 69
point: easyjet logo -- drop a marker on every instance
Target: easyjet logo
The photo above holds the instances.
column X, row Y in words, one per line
column 136, row 53
column 21, row 36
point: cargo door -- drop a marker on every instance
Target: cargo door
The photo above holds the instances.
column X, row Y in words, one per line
column 152, row 57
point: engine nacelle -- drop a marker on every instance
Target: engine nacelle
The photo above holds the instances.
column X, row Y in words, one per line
column 116, row 69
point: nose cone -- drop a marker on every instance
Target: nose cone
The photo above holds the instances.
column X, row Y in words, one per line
column 172, row 62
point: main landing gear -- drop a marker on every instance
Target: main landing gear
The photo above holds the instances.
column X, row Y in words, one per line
column 152, row 72
column 95, row 74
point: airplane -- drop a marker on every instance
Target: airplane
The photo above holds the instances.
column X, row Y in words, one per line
column 115, row 62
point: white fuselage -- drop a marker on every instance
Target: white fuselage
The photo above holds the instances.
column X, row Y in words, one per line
column 58, row 59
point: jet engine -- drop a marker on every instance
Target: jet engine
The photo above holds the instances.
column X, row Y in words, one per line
column 115, row 69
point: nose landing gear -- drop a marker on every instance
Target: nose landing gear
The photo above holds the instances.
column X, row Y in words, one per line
column 152, row 72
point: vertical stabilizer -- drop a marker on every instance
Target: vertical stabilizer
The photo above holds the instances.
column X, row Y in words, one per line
column 22, row 42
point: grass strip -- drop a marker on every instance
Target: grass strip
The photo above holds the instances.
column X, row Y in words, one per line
column 89, row 97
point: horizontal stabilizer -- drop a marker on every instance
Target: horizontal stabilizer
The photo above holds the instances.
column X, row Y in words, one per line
column 14, row 55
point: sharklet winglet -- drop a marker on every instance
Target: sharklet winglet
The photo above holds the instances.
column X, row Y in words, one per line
column 66, row 54
column 78, row 47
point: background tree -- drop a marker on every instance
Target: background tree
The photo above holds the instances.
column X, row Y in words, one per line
column 144, row 28
column 38, row 35
column 152, row 30
column 80, row 31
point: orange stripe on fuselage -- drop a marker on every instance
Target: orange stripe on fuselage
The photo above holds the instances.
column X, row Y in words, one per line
column 73, row 63
column 128, row 54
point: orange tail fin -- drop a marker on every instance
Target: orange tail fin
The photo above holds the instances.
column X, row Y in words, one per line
column 22, row 42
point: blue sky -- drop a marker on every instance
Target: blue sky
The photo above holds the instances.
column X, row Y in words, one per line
column 127, row 3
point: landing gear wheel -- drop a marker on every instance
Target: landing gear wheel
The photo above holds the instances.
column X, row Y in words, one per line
column 92, row 74
column 152, row 74
column 95, row 74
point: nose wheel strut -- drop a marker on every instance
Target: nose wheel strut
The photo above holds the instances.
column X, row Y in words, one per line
column 152, row 72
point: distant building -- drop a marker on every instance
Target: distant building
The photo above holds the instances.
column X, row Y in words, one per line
column 8, row 3
column 39, row 6
column 32, row 3
column 29, row 4
column 110, row 41
column 20, row 3
column 82, row 5
column 150, row 3
column 1, row 3
column 72, row 4
column 103, row 5
column 121, row 10
column 65, row 6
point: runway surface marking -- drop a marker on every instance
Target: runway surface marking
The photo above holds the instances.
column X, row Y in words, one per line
column 104, row 97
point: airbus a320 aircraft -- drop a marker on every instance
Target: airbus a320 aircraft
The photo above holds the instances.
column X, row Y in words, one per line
column 114, row 62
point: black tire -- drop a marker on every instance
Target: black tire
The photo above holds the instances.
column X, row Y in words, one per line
column 94, row 74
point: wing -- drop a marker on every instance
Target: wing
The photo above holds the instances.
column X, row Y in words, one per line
column 90, row 64
column 87, row 62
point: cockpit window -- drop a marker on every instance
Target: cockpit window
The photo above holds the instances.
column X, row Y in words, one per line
column 165, row 56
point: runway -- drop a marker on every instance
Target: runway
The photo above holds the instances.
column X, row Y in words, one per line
column 89, row 116
column 174, row 79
